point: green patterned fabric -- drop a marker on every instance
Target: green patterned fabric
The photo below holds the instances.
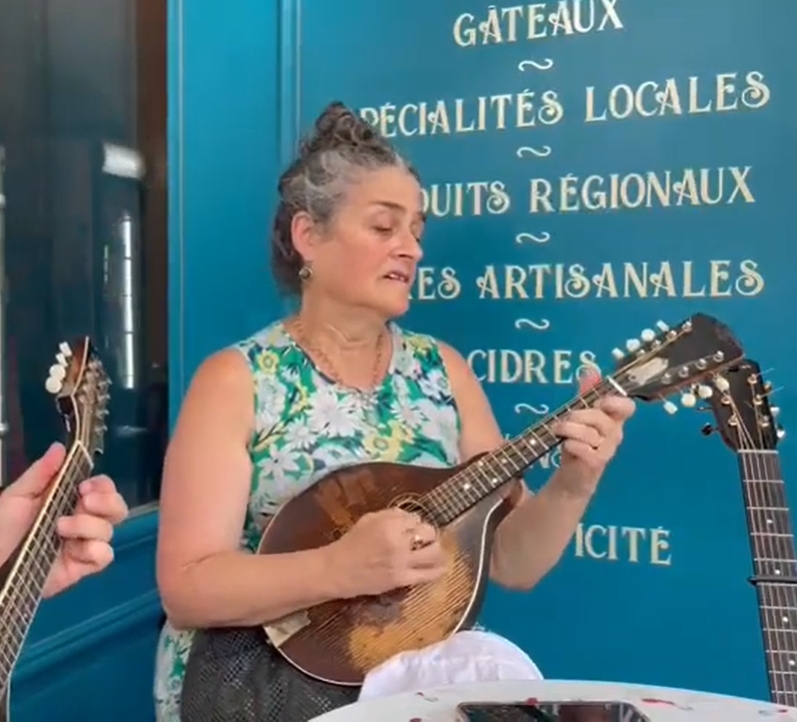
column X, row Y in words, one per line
column 306, row 426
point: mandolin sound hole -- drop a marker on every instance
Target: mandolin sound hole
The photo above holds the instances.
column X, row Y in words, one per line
column 413, row 505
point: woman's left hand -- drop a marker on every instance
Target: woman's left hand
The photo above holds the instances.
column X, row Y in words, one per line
column 85, row 535
column 592, row 437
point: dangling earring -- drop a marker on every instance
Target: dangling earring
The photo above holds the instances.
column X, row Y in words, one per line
column 305, row 272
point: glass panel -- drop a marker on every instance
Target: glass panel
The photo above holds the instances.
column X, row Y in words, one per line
column 82, row 122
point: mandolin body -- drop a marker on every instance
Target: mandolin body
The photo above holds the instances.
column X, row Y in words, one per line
column 341, row 641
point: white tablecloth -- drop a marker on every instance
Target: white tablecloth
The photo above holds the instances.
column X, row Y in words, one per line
column 660, row 704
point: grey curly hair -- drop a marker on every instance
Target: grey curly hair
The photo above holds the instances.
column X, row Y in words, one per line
column 341, row 147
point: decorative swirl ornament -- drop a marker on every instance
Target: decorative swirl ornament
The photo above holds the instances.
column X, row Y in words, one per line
column 543, row 237
column 546, row 64
column 542, row 152
column 542, row 325
column 529, row 409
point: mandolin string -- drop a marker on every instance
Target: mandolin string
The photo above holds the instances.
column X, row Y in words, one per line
column 605, row 386
column 446, row 500
column 774, row 597
column 15, row 601
column 23, row 597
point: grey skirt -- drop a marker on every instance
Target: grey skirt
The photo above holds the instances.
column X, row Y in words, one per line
column 235, row 675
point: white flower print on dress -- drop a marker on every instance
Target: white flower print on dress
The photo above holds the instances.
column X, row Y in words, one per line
column 306, row 427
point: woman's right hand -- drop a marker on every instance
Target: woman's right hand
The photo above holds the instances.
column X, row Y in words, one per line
column 386, row 550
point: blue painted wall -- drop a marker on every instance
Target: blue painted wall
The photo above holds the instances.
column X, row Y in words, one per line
column 223, row 135
column 677, row 611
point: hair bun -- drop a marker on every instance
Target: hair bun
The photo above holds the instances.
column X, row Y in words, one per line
column 338, row 126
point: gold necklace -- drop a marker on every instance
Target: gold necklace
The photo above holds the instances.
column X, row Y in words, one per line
column 332, row 370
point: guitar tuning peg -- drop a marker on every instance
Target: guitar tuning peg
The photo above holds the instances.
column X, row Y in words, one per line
column 53, row 385
column 774, row 410
column 688, row 399
column 704, row 392
column 662, row 326
column 617, row 354
column 670, row 407
column 60, row 359
column 707, row 430
column 721, row 384
column 780, row 433
column 768, row 386
column 648, row 335
column 632, row 344
column 63, row 347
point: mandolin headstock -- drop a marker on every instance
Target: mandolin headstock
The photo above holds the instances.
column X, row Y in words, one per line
column 667, row 360
column 80, row 385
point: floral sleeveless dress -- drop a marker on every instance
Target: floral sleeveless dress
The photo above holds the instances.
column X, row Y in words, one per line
column 307, row 426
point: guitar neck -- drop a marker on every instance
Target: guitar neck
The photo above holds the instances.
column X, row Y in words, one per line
column 774, row 568
column 487, row 473
column 28, row 568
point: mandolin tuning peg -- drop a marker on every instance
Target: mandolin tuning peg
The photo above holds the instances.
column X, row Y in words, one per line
column 632, row 344
column 618, row 354
column 57, row 372
column 648, row 335
column 704, row 392
column 662, row 326
column 781, row 433
column 774, row 410
column 688, row 400
column 63, row 347
column 721, row 384
column 61, row 359
column 53, row 385
column 670, row 407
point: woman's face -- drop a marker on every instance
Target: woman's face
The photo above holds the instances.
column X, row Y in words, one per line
column 367, row 254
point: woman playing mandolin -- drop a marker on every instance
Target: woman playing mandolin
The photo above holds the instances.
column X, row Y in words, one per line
column 85, row 536
column 336, row 384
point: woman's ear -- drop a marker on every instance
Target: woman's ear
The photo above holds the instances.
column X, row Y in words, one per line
column 304, row 235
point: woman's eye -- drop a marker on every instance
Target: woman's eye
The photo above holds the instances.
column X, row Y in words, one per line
column 383, row 229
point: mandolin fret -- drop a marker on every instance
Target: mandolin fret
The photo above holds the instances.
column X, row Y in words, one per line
column 21, row 593
column 483, row 476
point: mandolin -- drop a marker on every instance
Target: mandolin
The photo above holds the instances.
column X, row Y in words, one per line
column 341, row 641
column 746, row 423
column 80, row 386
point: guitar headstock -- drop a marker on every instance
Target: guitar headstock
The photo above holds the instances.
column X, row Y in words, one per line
column 745, row 418
column 80, row 385
column 661, row 363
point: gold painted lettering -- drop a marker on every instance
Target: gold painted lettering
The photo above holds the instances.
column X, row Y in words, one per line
column 660, row 547
column 649, row 189
column 505, row 25
column 714, row 278
column 433, row 285
column 630, row 544
column 530, row 366
column 484, row 113
column 455, row 200
column 654, row 98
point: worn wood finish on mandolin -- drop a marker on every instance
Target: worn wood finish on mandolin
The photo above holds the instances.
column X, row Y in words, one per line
column 341, row 641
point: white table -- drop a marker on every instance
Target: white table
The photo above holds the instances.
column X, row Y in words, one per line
column 660, row 704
